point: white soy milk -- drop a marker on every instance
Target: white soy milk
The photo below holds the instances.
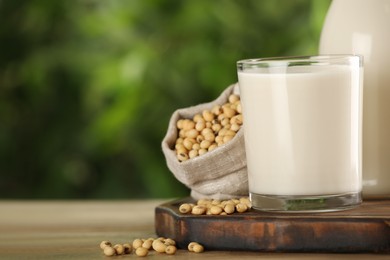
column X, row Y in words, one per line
column 302, row 130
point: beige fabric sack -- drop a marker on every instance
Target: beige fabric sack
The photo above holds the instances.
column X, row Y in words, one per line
column 218, row 174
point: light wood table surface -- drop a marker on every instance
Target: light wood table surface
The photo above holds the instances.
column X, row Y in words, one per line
column 74, row 229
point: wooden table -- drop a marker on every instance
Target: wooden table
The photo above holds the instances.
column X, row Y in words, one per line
column 74, row 229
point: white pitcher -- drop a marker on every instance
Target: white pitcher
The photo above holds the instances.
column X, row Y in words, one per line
column 363, row 27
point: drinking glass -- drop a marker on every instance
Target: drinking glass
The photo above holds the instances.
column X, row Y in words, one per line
column 303, row 131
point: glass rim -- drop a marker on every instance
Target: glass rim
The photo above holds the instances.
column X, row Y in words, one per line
column 298, row 60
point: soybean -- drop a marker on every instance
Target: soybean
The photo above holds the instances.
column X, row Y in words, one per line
column 137, row 243
column 208, row 115
column 229, row 208
column 215, row 210
column 170, row 242
column 198, row 248
column 170, row 250
column 191, row 246
column 141, row 251
column 127, row 248
column 109, row 251
column 147, row 244
column 159, row 246
column 185, row 208
column 198, row 210
column 105, row 243
column 195, row 247
column 233, row 98
column 119, row 249
column 241, row 207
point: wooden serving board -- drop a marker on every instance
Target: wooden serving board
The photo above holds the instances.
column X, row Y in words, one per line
column 363, row 229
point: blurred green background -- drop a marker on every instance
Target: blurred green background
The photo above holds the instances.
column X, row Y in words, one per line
column 87, row 87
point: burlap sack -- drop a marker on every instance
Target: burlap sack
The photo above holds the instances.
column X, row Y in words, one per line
column 218, row 174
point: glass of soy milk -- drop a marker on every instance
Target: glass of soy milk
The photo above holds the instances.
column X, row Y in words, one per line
column 303, row 132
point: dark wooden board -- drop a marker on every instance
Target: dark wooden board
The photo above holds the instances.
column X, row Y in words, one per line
column 363, row 229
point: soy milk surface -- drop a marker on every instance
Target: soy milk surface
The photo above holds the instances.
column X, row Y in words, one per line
column 302, row 130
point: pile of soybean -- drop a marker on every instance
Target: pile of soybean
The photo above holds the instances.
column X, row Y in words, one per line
column 209, row 129
column 216, row 207
column 143, row 246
